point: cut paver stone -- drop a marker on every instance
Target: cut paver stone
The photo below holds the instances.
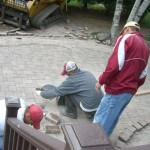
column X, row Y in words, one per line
column 143, row 123
column 147, row 120
column 3, row 34
column 137, row 126
column 125, row 136
column 132, row 128
column 53, row 118
column 52, row 129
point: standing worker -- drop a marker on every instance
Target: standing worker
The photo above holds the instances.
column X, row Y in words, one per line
column 125, row 72
column 78, row 90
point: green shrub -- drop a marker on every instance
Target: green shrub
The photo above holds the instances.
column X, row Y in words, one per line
column 146, row 21
column 147, row 38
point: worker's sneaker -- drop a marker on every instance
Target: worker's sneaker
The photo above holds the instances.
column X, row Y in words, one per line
column 71, row 115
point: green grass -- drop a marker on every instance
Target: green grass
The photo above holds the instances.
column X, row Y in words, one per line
column 75, row 3
column 95, row 33
column 94, row 7
column 147, row 38
column 146, row 21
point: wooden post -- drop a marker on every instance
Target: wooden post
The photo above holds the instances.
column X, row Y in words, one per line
column 12, row 106
column 86, row 137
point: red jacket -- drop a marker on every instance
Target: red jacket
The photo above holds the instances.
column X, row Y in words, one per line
column 127, row 66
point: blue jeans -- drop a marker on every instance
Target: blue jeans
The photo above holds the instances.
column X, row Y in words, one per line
column 1, row 142
column 110, row 109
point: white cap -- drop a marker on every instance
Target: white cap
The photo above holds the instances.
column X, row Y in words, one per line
column 69, row 66
column 130, row 24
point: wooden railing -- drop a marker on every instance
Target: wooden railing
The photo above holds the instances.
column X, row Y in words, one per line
column 23, row 137
column 19, row 136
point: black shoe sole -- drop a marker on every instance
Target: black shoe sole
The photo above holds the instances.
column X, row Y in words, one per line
column 70, row 115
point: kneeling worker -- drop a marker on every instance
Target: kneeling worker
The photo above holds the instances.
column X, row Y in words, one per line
column 78, row 90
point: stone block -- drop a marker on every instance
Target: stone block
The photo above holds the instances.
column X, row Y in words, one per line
column 143, row 123
column 53, row 118
column 12, row 33
column 86, row 28
column 3, row 34
column 13, row 30
column 125, row 135
column 24, row 33
column 52, row 129
column 137, row 126
column 131, row 128
column 147, row 120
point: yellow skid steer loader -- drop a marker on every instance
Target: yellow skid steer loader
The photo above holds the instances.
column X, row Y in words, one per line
column 37, row 13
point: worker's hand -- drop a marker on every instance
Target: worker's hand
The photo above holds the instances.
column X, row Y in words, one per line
column 39, row 89
column 38, row 92
column 98, row 87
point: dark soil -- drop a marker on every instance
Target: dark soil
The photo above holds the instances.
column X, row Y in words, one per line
column 93, row 20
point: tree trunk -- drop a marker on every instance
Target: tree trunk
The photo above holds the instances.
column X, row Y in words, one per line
column 116, row 19
column 134, row 10
column 85, row 7
column 141, row 10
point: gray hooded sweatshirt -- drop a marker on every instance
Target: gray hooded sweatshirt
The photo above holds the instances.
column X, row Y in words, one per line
column 81, row 84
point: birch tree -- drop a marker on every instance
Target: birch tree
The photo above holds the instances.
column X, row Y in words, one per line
column 116, row 19
column 134, row 10
column 141, row 10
